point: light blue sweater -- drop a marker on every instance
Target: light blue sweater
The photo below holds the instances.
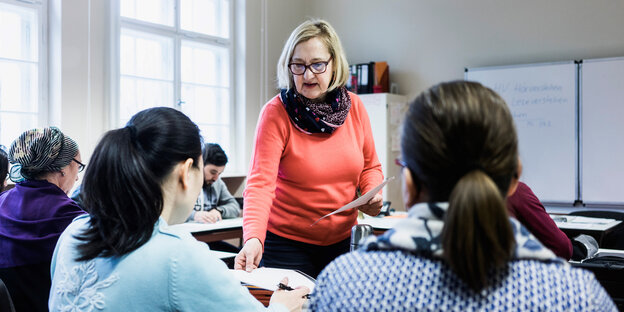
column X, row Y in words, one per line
column 171, row 272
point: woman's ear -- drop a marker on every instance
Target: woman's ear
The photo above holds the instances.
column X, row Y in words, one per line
column 184, row 173
column 410, row 193
column 515, row 179
column 413, row 191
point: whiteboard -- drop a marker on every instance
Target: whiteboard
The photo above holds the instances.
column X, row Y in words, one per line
column 543, row 101
column 602, row 128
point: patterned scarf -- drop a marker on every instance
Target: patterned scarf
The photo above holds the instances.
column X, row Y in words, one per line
column 421, row 232
column 39, row 151
column 312, row 117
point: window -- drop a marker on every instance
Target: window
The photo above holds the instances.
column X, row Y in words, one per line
column 178, row 53
column 22, row 68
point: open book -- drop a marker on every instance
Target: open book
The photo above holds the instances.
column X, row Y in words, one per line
column 262, row 282
column 269, row 278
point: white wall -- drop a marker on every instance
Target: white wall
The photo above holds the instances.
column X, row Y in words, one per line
column 267, row 26
column 78, row 70
column 426, row 42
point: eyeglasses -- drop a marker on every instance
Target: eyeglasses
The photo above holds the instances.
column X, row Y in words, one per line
column 400, row 163
column 315, row 68
column 81, row 166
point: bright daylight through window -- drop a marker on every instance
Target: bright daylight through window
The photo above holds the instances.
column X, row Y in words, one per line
column 178, row 53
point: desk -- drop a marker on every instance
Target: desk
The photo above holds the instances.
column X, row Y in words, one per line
column 595, row 227
column 227, row 257
column 610, row 276
column 383, row 224
column 214, row 232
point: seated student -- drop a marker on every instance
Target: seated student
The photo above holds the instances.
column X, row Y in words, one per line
column 4, row 167
column 458, row 249
column 215, row 201
column 123, row 256
column 33, row 214
column 527, row 208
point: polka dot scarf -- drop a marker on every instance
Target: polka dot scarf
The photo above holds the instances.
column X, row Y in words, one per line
column 313, row 117
column 39, row 151
column 421, row 232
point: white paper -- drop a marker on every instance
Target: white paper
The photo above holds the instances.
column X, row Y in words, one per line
column 358, row 201
column 194, row 227
column 269, row 278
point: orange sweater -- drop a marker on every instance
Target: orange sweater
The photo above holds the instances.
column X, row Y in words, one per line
column 295, row 178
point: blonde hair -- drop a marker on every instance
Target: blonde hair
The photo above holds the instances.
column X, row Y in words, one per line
column 314, row 28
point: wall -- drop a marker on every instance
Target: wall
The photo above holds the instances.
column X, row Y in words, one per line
column 426, row 42
column 423, row 41
column 268, row 24
column 78, row 70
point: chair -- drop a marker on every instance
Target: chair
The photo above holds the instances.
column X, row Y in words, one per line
column 615, row 238
column 6, row 304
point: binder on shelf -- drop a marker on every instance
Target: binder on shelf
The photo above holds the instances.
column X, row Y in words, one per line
column 369, row 77
column 352, row 81
column 364, row 78
column 382, row 81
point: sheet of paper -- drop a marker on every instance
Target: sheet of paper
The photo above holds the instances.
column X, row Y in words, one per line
column 268, row 278
column 579, row 219
column 201, row 227
column 358, row 201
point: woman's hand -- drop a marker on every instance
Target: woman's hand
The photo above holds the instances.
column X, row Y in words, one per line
column 249, row 257
column 292, row 299
column 373, row 207
column 210, row 216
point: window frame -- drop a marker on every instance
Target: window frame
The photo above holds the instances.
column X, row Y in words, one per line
column 41, row 9
column 177, row 35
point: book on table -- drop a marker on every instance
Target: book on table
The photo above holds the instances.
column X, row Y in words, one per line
column 262, row 282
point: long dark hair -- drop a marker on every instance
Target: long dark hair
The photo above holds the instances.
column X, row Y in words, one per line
column 122, row 187
column 460, row 144
column 4, row 166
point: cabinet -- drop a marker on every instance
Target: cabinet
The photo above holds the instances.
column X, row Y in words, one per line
column 386, row 111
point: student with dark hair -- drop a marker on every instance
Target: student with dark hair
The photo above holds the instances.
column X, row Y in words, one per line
column 4, row 167
column 523, row 205
column 123, row 256
column 215, row 201
column 35, row 212
column 457, row 249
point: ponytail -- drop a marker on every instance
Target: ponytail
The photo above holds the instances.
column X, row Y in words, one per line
column 459, row 140
column 122, row 187
column 477, row 237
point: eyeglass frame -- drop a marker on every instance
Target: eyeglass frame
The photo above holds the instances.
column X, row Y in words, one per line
column 81, row 166
column 400, row 163
column 309, row 66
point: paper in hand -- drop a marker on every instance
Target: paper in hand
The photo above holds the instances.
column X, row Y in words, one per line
column 358, row 201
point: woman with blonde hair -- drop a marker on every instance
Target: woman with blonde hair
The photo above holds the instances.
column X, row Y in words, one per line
column 313, row 151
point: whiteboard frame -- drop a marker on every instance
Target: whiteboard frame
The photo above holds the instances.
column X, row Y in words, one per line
column 577, row 125
column 580, row 137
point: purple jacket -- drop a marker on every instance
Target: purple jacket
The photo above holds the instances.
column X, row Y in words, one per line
column 33, row 215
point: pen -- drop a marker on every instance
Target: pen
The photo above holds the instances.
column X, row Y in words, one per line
column 286, row 287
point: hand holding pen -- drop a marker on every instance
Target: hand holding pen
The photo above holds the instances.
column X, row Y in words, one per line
column 293, row 299
column 283, row 286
